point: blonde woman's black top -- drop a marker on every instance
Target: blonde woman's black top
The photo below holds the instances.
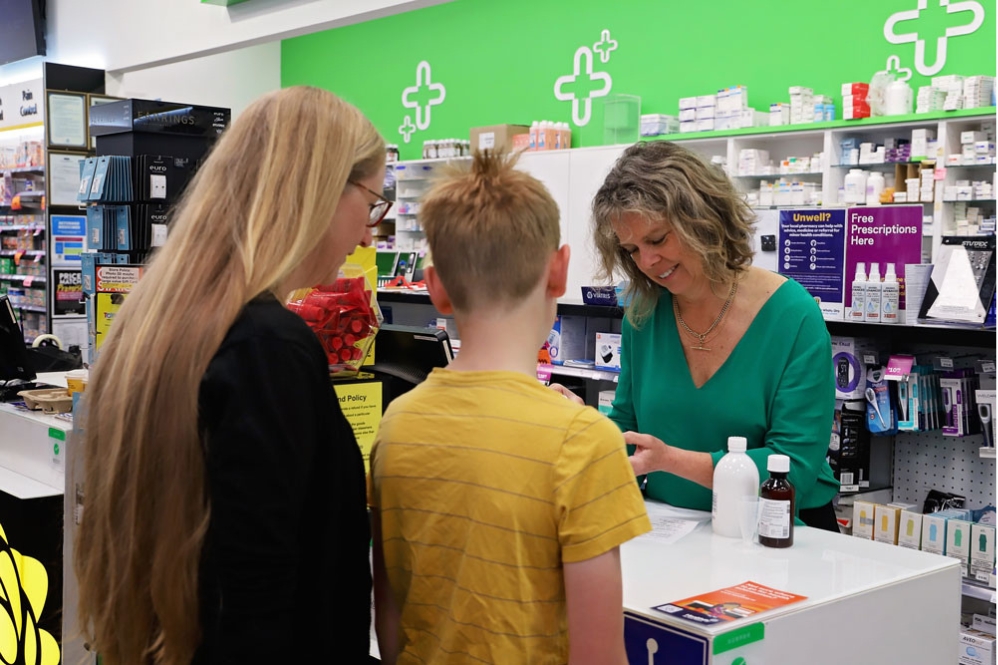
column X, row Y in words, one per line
column 285, row 576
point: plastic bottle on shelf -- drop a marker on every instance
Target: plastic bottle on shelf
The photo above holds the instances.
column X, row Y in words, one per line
column 859, row 284
column 874, row 188
column 855, row 184
column 542, row 135
column 777, row 500
column 535, row 129
column 890, row 296
column 735, row 477
column 873, row 294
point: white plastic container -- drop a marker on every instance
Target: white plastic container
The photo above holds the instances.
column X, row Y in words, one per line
column 898, row 99
column 735, row 476
column 890, row 296
column 855, row 184
column 858, row 311
column 873, row 294
column 874, row 188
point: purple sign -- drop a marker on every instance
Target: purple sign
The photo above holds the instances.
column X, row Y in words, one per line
column 810, row 252
column 883, row 235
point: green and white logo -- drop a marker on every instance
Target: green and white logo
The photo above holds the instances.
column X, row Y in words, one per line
column 583, row 84
column 971, row 17
column 421, row 97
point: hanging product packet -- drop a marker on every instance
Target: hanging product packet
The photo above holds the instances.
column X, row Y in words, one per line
column 344, row 316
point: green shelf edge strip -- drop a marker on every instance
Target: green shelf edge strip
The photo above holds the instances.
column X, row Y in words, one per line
column 865, row 123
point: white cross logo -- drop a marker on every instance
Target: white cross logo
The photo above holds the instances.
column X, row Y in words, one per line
column 407, row 129
column 411, row 101
column 585, row 105
column 605, row 46
column 894, row 65
column 924, row 69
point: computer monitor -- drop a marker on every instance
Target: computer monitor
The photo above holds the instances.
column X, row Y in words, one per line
column 405, row 355
column 15, row 363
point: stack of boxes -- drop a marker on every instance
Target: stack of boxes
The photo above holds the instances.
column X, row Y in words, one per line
column 801, row 105
column 779, row 114
column 734, row 112
column 977, row 91
column 754, row 162
column 706, row 112
column 824, row 109
column 687, row 115
column 976, row 148
column 656, row 124
column 930, row 99
column 952, row 86
column 923, row 144
column 948, row 532
column 854, row 101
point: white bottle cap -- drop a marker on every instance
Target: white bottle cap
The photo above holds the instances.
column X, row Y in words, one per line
column 861, row 270
column 778, row 464
column 737, row 444
column 874, row 272
column 890, row 271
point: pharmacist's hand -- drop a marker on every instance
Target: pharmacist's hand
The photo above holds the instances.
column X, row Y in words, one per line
column 649, row 455
column 558, row 388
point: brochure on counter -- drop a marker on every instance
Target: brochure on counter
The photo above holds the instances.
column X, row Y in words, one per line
column 730, row 604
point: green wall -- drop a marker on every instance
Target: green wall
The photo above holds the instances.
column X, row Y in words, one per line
column 499, row 59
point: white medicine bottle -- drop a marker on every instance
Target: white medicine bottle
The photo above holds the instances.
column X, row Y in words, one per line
column 858, row 311
column 890, row 296
column 873, row 293
column 735, row 477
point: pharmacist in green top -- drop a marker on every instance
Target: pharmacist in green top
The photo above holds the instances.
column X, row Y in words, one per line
column 711, row 346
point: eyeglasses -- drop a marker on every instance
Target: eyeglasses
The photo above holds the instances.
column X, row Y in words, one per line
column 379, row 209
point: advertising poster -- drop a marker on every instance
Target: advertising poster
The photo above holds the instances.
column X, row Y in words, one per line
column 737, row 602
column 882, row 235
column 810, row 249
column 68, row 293
column 69, row 235
column 360, row 402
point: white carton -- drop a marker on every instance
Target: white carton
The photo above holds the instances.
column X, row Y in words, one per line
column 608, row 350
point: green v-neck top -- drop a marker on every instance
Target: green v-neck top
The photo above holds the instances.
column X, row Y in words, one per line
column 776, row 389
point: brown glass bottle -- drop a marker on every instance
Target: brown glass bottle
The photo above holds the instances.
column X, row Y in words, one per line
column 777, row 503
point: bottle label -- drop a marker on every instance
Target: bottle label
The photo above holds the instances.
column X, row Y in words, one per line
column 774, row 518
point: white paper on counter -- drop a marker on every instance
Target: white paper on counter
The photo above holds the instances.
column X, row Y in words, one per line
column 670, row 524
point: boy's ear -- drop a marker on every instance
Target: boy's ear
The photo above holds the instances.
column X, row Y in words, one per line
column 557, row 276
column 438, row 294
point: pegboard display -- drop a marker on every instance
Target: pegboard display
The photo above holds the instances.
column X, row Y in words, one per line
column 929, row 460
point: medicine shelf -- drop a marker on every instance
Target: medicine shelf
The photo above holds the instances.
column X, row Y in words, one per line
column 843, row 126
column 857, row 489
column 22, row 227
column 969, row 166
column 979, row 591
column 21, row 278
column 780, row 175
column 26, row 252
column 969, row 201
column 916, row 334
column 29, row 308
column 885, row 165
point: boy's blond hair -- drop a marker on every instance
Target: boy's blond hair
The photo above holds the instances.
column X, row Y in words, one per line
column 491, row 229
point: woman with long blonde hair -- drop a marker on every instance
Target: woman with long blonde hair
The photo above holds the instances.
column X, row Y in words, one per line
column 225, row 515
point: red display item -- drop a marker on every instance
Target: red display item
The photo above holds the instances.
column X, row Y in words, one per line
column 343, row 319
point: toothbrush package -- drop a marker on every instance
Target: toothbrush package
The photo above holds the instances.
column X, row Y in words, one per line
column 880, row 416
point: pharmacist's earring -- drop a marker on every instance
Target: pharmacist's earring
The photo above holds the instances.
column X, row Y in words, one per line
column 557, row 276
column 438, row 294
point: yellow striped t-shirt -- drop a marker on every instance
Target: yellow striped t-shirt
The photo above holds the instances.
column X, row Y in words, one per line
column 486, row 483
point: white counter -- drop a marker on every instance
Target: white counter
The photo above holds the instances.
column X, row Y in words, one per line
column 867, row 602
column 32, row 453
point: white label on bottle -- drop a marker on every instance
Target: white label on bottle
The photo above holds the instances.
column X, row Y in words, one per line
column 774, row 518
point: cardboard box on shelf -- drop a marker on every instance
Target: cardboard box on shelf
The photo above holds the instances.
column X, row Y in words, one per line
column 887, row 522
column 496, row 137
column 982, row 552
column 608, row 350
column 862, row 519
column 910, row 531
column 976, row 648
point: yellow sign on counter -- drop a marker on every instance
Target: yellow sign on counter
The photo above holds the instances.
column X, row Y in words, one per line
column 361, row 404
